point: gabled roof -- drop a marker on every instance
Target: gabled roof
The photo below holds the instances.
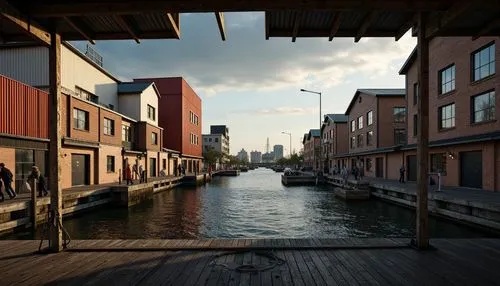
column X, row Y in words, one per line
column 334, row 118
column 304, row 138
column 313, row 133
column 135, row 87
column 377, row 92
column 409, row 62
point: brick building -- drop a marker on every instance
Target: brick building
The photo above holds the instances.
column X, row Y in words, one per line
column 464, row 130
column 180, row 116
column 105, row 122
column 311, row 142
column 333, row 133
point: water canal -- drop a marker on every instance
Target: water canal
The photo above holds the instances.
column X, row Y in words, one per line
column 253, row 205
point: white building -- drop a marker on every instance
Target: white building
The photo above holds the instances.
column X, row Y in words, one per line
column 256, row 157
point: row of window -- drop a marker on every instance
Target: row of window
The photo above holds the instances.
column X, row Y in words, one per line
column 216, row 140
column 482, row 110
column 193, row 139
column 193, row 118
column 482, row 66
column 358, row 141
column 369, row 121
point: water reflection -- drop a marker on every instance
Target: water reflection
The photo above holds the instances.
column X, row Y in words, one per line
column 253, row 205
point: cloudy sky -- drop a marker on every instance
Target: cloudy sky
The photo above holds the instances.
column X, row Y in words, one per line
column 252, row 85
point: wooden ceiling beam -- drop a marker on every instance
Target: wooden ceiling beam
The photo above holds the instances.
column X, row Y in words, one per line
column 29, row 27
column 296, row 24
column 76, row 8
column 437, row 24
column 337, row 19
column 174, row 20
column 80, row 29
column 132, row 31
column 491, row 25
column 409, row 24
column 220, row 22
column 367, row 21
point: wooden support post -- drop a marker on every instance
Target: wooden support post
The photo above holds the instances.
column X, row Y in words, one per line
column 423, row 135
column 55, row 142
column 33, row 204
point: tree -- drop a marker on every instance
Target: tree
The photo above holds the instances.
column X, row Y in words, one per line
column 211, row 156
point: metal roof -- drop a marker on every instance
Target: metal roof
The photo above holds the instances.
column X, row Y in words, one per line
column 133, row 87
column 409, row 61
column 314, row 133
column 385, row 92
column 337, row 117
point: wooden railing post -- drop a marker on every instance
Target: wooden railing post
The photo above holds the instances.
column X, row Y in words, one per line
column 33, row 204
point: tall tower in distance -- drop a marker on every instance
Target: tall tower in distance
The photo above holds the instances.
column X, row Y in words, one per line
column 267, row 145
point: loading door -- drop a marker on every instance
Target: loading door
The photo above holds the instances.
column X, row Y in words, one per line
column 379, row 167
column 411, row 167
column 80, row 169
column 471, row 169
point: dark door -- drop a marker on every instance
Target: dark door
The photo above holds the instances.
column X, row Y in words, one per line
column 80, row 169
column 411, row 167
column 379, row 167
column 152, row 167
column 471, row 169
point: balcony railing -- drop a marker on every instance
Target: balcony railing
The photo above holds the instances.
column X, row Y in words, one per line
column 128, row 145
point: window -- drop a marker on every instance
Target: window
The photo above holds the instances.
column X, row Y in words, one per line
column 415, row 124
column 80, row 119
column 447, row 80
column 399, row 136
column 353, row 125
column 85, row 95
column 151, row 112
column 360, row 122
column 416, row 92
column 483, row 63
column 369, row 118
column 110, row 164
column 447, row 116
column 369, row 138
column 127, row 134
column 368, row 164
column 205, row 139
column 360, row 140
column 483, row 107
column 353, row 142
column 216, row 140
column 109, row 127
column 210, row 139
column 399, row 114
column 154, row 138
column 438, row 163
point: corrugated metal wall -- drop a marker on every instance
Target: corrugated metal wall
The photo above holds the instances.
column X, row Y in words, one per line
column 23, row 109
column 29, row 65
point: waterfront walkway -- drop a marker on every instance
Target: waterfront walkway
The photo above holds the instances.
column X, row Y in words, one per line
column 302, row 262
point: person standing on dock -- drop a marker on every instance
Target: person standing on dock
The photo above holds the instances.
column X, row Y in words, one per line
column 7, row 177
column 402, row 174
column 141, row 174
column 128, row 175
column 35, row 176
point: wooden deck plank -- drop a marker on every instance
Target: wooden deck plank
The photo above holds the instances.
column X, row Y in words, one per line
column 332, row 270
column 247, row 259
column 344, row 271
column 303, row 269
column 313, row 270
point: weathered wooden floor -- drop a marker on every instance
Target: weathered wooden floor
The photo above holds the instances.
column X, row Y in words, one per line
column 307, row 262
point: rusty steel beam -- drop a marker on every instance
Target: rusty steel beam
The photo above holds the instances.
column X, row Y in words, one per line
column 367, row 21
column 337, row 19
column 81, row 30
column 125, row 26
column 220, row 23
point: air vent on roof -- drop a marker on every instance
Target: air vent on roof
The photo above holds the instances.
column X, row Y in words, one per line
column 93, row 55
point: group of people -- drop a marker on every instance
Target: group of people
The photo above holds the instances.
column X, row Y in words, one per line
column 137, row 172
column 35, row 177
column 357, row 172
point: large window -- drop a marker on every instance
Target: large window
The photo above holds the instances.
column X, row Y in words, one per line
column 483, row 62
column 85, row 95
column 360, row 122
column 109, row 126
column 369, row 118
column 399, row 136
column 415, row 124
column 80, row 119
column 110, row 164
column 127, row 134
column 438, row 163
column 154, row 138
column 369, row 138
column 416, row 91
column 353, row 142
column 151, row 113
column 360, row 140
column 483, row 107
column 353, row 125
column 447, row 116
column 447, row 80
column 399, row 114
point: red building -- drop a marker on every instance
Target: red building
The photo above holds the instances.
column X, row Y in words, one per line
column 180, row 117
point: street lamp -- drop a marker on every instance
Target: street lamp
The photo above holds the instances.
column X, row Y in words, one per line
column 289, row 134
column 320, row 119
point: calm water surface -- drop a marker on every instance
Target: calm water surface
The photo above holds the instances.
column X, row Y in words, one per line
column 253, row 205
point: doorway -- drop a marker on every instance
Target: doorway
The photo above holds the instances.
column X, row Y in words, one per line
column 80, row 169
column 411, row 166
column 379, row 167
column 471, row 169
